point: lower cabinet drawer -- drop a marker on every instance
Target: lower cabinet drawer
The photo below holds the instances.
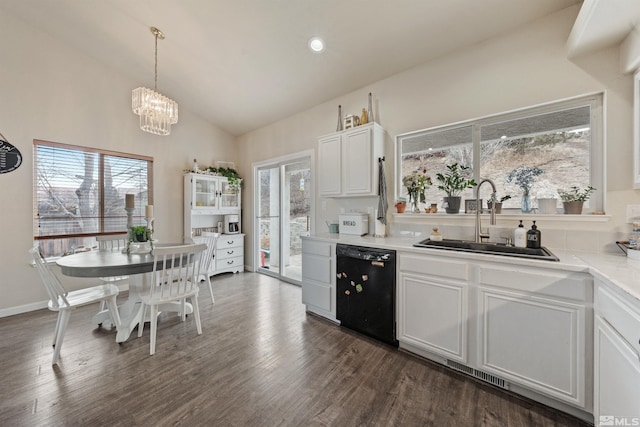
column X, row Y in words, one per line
column 620, row 315
column 316, row 268
column 237, row 262
column 317, row 295
column 229, row 241
column 229, row 253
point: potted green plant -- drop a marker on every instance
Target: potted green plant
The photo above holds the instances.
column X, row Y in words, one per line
column 140, row 240
column 574, row 198
column 452, row 182
column 497, row 202
column 140, row 234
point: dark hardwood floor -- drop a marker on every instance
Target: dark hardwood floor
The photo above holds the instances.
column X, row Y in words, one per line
column 261, row 361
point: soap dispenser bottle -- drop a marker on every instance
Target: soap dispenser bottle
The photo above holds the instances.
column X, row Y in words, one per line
column 534, row 237
column 520, row 236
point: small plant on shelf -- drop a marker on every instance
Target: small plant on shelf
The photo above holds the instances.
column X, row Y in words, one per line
column 232, row 175
column 574, row 198
column 497, row 202
column 453, row 181
column 575, row 194
column 494, row 199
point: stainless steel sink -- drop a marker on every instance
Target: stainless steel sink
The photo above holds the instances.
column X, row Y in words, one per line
column 488, row 248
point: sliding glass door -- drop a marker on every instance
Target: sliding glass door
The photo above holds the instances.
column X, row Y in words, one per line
column 283, row 216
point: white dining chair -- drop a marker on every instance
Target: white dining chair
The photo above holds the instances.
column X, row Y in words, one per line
column 113, row 242
column 63, row 301
column 207, row 259
column 175, row 273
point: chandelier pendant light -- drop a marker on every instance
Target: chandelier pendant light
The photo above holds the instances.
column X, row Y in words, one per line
column 157, row 112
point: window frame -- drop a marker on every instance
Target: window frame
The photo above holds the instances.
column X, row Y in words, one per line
column 101, row 196
column 597, row 157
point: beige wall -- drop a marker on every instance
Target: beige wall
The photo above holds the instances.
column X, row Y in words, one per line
column 524, row 68
column 51, row 92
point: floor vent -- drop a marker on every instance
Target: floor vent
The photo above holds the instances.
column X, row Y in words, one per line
column 491, row 379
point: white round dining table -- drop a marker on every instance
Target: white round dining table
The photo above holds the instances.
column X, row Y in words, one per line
column 116, row 263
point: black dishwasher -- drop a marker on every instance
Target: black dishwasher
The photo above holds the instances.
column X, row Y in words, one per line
column 366, row 289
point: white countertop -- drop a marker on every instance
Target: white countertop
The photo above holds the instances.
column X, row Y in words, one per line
column 615, row 269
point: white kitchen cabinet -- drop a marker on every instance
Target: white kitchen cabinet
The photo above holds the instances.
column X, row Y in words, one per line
column 330, row 161
column 348, row 161
column 432, row 306
column 533, row 330
column 229, row 254
column 527, row 329
column 319, row 277
column 207, row 199
column 617, row 356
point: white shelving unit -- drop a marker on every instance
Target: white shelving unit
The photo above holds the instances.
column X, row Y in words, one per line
column 207, row 199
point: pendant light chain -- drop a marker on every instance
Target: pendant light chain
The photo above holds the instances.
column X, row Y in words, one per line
column 155, row 79
column 158, row 35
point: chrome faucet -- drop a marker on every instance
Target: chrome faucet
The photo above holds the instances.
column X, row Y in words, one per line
column 479, row 234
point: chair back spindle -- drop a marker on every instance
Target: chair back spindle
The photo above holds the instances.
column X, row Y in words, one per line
column 175, row 270
column 112, row 242
column 57, row 293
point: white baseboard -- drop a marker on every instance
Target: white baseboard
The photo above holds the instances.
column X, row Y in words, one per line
column 11, row 311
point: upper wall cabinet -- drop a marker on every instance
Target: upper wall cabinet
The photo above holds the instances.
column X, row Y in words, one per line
column 348, row 161
column 210, row 194
column 207, row 199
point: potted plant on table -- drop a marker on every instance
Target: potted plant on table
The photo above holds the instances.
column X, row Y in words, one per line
column 453, row 182
column 140, row 239
column 497, row 202
column 524, row 177
column 574, row 198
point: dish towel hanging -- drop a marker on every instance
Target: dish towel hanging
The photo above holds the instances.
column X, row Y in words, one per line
column 382, row 193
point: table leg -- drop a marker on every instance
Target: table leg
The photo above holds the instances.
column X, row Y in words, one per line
column 131, row 310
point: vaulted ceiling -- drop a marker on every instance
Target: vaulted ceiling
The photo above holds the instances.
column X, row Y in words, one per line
column 243, row 64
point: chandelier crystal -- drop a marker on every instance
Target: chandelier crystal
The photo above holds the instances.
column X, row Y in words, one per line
column 157, row 112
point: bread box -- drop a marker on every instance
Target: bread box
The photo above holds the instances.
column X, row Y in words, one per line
column 354, row 223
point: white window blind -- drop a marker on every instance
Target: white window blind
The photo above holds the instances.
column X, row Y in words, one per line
column 80, row 192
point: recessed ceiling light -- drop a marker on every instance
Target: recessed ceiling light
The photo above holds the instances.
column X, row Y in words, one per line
column 316, row 44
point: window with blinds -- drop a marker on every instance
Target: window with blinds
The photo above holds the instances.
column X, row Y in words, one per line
column 79, row 193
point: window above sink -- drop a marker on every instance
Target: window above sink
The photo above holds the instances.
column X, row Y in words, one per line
column 563, row 140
